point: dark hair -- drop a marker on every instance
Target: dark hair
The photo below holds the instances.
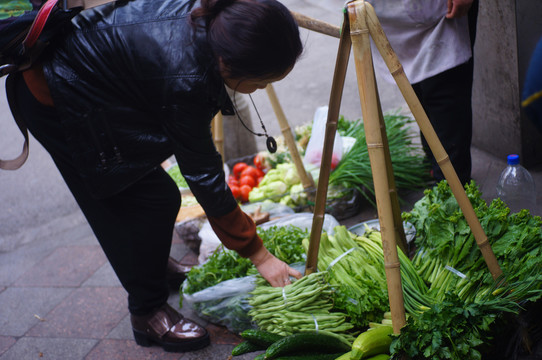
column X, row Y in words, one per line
column 254, row 38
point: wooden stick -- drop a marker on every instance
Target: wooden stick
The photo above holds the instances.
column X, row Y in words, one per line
column 306, row 178
column 316, row 25
column 394, row 196
column 217, row 127
column 337, row 88
column 378, row 158
column 396, row 69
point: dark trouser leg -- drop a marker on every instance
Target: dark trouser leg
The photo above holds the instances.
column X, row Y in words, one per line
column 446, row 98
column 134, row 227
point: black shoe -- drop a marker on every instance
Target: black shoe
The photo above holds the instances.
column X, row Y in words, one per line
column 170, row 330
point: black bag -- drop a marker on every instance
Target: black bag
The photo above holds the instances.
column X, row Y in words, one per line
column 26, row 27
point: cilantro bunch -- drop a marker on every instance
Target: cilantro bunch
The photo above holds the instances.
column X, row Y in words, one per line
column 448, row 257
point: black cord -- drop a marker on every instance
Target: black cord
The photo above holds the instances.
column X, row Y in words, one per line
column 270, row 142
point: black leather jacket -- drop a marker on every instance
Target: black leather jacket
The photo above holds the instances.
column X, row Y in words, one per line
column 135, row 83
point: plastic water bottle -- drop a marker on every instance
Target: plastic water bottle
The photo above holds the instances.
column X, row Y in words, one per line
column 516, row 186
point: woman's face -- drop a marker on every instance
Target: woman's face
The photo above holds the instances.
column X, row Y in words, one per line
column 247, row 86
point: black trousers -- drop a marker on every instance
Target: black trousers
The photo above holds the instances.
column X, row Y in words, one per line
column 446, row 99
column 134, row 227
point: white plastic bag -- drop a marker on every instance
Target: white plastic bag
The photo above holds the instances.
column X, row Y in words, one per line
column 303, row 221
column 209, row 242
column 315, row 147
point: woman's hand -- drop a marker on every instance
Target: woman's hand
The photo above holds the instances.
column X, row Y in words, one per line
column 275, row 271
column 458, row 8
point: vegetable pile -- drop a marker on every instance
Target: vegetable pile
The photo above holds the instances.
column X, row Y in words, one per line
column 224, row 264
column 313, row 345
column 245, row 177
column 304, row 305
column 448, row 257
column 354, row 267
column 228, row 305
column 281, row 182
column 410, row 169
column 464, row 306
column 453, row 305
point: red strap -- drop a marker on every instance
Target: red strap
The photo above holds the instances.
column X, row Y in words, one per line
column 39, row 23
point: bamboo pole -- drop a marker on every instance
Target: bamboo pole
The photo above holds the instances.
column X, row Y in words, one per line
column 337, row 88
column 397, row 219
column 378, row 158
column 316, row 25
column 396, row 70
column 306, row 178
column 217, row 127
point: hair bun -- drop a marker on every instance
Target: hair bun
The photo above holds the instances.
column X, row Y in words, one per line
column 215, row 7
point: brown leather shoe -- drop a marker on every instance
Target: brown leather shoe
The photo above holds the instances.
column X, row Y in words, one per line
column 169, row 329
column 176, row 273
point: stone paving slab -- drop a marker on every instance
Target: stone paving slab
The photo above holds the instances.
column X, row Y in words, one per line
column 29, row 348
column 84, row 313
column 22, row 308
column 65, row 267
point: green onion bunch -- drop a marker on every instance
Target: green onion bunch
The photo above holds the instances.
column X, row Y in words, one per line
column 410, row 169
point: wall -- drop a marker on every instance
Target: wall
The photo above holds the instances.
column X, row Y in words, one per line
column 507, row 34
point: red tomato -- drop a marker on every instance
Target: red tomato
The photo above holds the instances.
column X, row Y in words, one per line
column 236, row 191
column 260, row 173
column 245, row 190
column 250, row 171
column 238, row 168
column 247, row 180
column 232, row 180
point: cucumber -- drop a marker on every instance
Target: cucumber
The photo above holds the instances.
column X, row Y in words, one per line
column 380, row 357
column 246, row 347
column 345, row 356
column 260, row 357
column 310, row 356
column 374, row 341
column 306, row 342
column 260, row 337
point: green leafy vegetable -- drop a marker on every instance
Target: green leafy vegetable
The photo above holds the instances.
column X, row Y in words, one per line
column 283, row 242
column 410, row 169
column 448, row 257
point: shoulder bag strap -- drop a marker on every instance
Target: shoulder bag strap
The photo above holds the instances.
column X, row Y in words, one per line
column 16, row 163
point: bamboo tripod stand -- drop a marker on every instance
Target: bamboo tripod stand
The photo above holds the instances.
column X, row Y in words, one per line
column 360, row 23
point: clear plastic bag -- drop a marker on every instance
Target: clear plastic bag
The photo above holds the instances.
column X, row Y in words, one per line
column 315, row 147
column 225, row 303
column 303, row 221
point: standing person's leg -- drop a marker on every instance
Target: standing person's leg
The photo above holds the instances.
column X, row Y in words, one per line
column 446, row 98
column 134, row 229
column 452, row 117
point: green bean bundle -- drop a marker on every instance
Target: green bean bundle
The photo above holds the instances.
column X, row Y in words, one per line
column 304, row 305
